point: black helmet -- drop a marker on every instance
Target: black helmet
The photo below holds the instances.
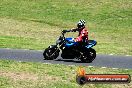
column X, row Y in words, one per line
column 81, row 24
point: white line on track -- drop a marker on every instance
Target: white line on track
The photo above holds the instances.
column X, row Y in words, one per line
column 128, row 55
column 74, row 65
column 103, row 67
column 90, row 66
column 19, row 61
column 114, row 68
column 46, row 63
column 6, row 48
column 71, row 65
column 111, row 54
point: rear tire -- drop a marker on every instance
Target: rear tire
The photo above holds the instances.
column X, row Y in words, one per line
column 88, row 56
column 48, row 52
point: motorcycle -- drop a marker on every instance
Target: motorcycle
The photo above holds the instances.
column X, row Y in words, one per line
column 71, row 49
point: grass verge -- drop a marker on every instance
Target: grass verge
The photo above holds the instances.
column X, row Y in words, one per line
column 42, row 21
column 15, row 74
column 32, row 35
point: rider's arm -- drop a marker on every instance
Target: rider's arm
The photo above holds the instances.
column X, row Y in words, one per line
column 73, row 30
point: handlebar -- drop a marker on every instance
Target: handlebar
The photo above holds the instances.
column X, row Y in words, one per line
column 64, row 31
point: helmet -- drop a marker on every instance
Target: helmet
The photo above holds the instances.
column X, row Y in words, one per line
column 81, row 24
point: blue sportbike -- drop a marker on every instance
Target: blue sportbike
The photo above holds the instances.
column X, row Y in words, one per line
column 71, row 49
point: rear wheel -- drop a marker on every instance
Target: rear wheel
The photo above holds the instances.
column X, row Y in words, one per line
column 50, row 54
column 88, row 56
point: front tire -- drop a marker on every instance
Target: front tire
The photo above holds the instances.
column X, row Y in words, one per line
column 50, row 54
column 88, row 56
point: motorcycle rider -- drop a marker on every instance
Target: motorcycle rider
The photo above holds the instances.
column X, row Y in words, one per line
column 83, row 32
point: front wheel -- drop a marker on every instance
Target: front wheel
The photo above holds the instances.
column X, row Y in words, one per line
column 88, row 56
column 50, row 54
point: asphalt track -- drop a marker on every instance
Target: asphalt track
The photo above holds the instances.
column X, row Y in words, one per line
column 112, row 61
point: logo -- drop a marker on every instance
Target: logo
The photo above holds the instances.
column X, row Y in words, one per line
column 83, row 78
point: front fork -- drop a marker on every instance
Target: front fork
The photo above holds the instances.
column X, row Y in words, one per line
column 57, row 48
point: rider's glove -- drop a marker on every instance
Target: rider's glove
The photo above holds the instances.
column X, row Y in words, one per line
column 64, row 31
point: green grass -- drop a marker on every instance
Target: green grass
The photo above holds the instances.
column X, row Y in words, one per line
column 42, row 21
column 26, row 43
column 15, row 74
column 36, row 24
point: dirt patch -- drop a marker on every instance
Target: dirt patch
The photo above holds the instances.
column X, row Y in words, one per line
column 19, row 76
column 28, row 76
